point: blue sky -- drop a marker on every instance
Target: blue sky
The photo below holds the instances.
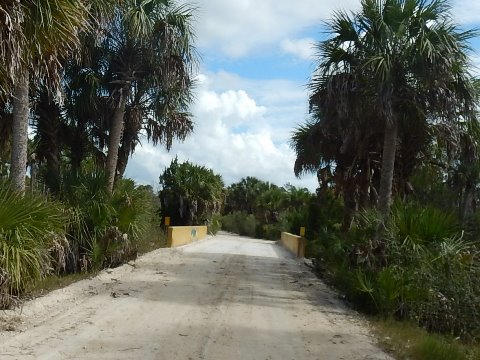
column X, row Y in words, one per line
column 257, row 57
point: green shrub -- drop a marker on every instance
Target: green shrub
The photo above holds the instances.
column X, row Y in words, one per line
column 422, row 269
column 422, row 224
column 440, row 267
column 107, row 227
column 269, row 231
column 450, row 288
column 28, row 228
column 134, row 207
column 240, row 223
column 214, row 224
column 431, row 348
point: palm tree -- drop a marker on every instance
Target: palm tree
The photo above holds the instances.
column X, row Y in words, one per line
column 37, row 37
column 47, row 31
column 340, row 144
column 149, row 77
column 190, row 194
column 242, row 196
column 452, row 161
column 49, row 137
column 408, row 59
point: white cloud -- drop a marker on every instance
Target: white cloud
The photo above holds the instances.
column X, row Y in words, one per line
column 239, row 28
column 241, row 131
column 466, row 11
column 475, row 69
column 236, row 106
column 302, row 48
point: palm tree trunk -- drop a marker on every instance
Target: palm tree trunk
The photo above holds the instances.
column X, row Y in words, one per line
column 77, row 148
column 20, row 132
column 122, row 162
column 48, row 129
column 114, row 138
column 388, row 165
column 349, row 207
column 468, row 201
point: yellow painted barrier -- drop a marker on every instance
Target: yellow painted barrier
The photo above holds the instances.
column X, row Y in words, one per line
column 293, row 243
column 182, row 235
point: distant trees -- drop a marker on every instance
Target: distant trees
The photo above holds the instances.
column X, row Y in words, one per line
column 258, row 208
column 190, row 194
column 242, row 196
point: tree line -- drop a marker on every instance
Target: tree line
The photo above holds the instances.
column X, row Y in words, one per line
column 191, row 194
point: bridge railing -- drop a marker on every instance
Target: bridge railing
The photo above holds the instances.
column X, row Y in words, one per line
column 293, row 243
column 182, row 235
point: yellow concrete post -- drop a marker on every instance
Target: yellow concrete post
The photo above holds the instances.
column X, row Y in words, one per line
column 302, row 243
column 302, row 231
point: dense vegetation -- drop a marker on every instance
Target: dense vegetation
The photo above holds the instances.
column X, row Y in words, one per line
column 394, row 139
column 190, row 194
column 80, row 82
column 259, row 209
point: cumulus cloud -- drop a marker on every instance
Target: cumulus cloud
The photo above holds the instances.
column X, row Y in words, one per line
column 235, row 106
column 302, row 48
column 240, row 28
column 246, row 27
column 475, row 70
column 466, row 11
column 238, row 133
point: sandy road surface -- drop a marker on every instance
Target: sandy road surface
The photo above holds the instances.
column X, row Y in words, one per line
column 224, row 298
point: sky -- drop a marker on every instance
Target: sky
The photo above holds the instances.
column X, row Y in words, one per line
column 256, row 61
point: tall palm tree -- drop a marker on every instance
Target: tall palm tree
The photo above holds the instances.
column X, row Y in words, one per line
column 37, row 37
column 47, row 32
column 149, row 77
column 410, row 62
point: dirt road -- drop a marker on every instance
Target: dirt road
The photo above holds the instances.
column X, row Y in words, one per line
column 223, row 298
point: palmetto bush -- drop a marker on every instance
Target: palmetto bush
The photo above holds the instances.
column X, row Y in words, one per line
column 449, row 284
column 28, row 227
column 107, row 226
column 132, row 213
column 423, row 269
column 422, row 224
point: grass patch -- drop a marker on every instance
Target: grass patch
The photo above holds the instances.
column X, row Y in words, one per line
column 434, row 349
column 155, row 238
column 405, row 340
column 54, row 282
